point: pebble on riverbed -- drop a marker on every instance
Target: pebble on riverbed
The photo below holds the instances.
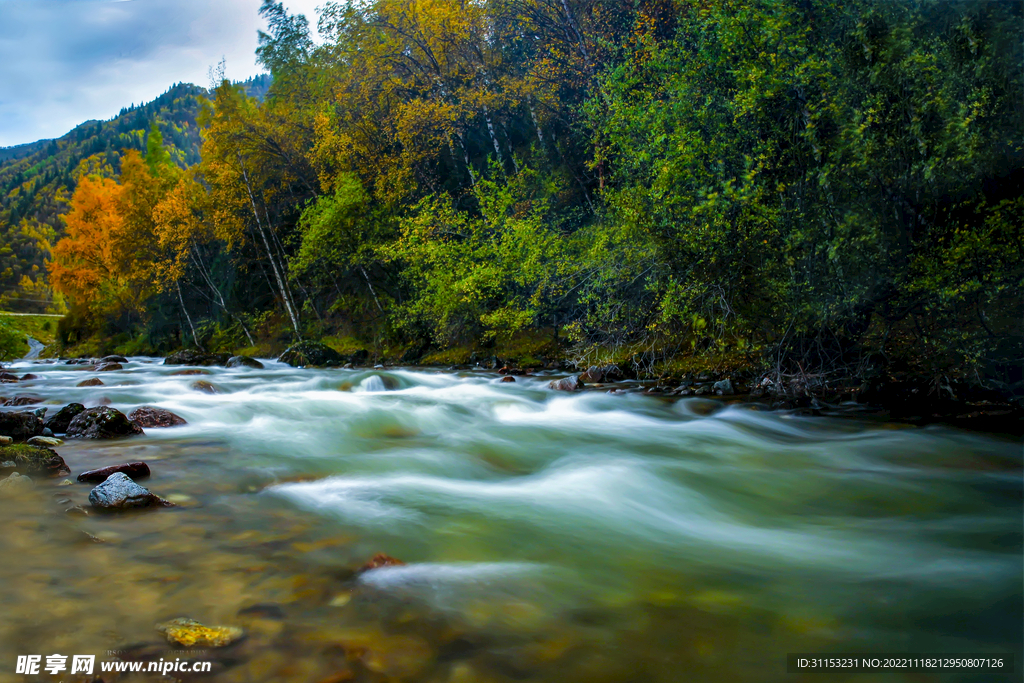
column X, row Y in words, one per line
column 189, row 632
column 15, row 485
column 119, row 492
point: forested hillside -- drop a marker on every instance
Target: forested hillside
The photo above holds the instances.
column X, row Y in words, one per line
column 815, row 186
column 37, row 180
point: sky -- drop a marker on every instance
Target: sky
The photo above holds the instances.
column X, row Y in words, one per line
column 63, row 62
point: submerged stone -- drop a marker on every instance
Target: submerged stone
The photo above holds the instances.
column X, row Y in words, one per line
column 189, row 632
column 107, row 367
column 15, row 485
column 244, row 362
column 204, row 386
column 23, row 400
column 380, row 560
column 94, row 382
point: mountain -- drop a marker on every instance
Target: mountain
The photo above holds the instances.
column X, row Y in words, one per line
column 37, row 179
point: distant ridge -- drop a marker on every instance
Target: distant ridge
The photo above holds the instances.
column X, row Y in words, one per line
column 21, row 151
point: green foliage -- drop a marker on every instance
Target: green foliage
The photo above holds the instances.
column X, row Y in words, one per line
column 158, row 157
column 494, row 273
column 12, row 342
column 798, row 168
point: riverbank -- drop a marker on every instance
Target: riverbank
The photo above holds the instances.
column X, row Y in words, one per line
column 876, row 388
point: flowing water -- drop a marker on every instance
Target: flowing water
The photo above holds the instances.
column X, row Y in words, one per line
column 594, row 537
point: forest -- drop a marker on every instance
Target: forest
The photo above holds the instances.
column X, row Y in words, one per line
column 817, row 187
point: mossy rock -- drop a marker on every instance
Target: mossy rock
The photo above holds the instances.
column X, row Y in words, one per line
column 310, row 353
column 189, row 632
column 101, row 422
column 33, row 460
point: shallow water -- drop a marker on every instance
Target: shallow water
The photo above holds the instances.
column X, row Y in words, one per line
column 549, row 537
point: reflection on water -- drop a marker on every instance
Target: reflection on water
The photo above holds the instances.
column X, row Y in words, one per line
column 548, row 537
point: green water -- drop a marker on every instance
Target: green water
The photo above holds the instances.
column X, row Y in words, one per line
column 548, row 537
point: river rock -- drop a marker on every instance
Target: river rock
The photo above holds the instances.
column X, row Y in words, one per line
column 119, row 492
column 28, row 376
column 147, row 416
column 508, row 378
column 58, row 424
column 133, row 470
column 113, row 359
column 46, row 441
column 15, row 485
column 94, row 382
column 101, row 422
column 380, row 560
column 244, row 362
column 6, row 441
column 204, row 386
column 107, row 367
column 187, row 373
column 23, row 400
column 33, row 460
column 20, row 426
column 567, row 384
column 8, row 377
column 605, row 373
column 310, row 353
column 189, row 632
column 724, row 387
column 189, row 357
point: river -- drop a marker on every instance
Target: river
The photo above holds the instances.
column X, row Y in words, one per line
column 593, row 537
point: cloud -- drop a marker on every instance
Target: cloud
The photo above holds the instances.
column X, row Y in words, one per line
column 68, row 61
